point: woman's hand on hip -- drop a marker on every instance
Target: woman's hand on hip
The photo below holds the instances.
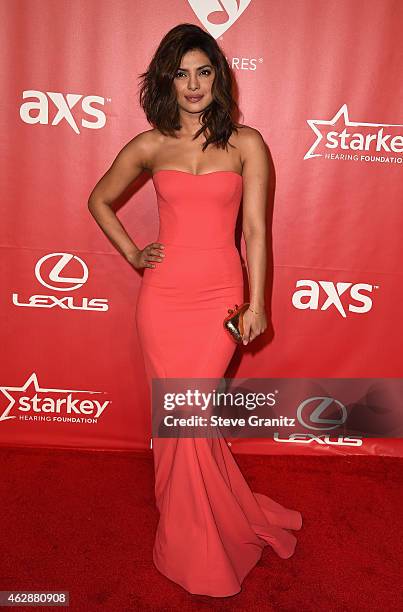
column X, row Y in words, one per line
column 144, row 258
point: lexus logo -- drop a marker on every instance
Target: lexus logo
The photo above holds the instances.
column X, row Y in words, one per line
column 310, row 414
column 61, row 272
column 54, row 276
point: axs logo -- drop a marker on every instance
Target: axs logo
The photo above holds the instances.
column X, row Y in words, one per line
column 52, row 108
column 309, row 296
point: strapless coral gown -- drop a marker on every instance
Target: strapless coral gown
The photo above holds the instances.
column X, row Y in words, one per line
column 212, row 528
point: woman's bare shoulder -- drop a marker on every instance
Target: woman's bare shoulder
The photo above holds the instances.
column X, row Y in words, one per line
column 252, row 147
column 248, row 134
column 249, row 142
column 148, row 138
column 144, row 145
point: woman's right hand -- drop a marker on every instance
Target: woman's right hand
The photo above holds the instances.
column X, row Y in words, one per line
column 144, row 258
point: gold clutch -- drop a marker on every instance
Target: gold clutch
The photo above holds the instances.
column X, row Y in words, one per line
column 233, row 322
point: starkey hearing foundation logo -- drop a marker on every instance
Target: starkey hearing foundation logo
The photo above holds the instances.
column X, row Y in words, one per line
column 340, row 138
column 322, row 295
column 30, row 402
column 52, row 108
column 217, row 16
column 51, row 271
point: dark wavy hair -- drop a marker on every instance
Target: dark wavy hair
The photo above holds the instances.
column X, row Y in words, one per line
column 158, row 97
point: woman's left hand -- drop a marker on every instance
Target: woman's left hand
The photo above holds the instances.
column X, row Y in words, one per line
column 253, row 325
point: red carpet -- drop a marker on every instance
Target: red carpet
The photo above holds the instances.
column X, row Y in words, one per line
column 84, row 522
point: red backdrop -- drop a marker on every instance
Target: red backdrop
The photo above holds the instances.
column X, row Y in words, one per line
column 318, row 80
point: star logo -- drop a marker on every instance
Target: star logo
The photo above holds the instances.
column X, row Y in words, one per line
column 43, row 400
column 356, row 141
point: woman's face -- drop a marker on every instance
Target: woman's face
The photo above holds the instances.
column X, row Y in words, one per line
column 193, row 81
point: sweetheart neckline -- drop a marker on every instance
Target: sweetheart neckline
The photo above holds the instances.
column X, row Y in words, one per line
column 191, row 173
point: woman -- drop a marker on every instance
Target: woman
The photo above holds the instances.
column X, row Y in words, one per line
column 212, row 527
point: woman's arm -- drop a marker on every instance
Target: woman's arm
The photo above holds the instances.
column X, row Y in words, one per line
column 126, row 167
column 255, row 171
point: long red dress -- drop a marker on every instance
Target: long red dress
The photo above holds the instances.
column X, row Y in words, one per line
column 212, row 527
